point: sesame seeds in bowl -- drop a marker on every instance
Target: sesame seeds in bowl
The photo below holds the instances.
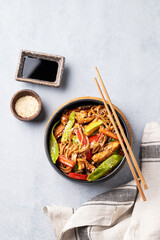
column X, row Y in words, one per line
column 26, row 105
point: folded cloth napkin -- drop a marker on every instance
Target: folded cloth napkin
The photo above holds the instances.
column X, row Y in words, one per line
column 118, row 214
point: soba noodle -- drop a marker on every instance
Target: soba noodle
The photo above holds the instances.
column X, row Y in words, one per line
column 80, row 145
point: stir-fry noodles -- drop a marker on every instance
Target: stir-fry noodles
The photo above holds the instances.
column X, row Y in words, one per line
column 84, row 144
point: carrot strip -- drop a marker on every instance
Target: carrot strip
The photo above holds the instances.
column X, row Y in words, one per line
column 66, row 161
column 108, row 133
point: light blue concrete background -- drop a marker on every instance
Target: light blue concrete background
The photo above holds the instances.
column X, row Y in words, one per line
column 123, row 39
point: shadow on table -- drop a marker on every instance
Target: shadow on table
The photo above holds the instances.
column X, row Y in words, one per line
column 64, row 81
column 41, row 117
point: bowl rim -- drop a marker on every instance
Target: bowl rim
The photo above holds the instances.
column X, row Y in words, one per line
column 68, row 104
column 28, row 92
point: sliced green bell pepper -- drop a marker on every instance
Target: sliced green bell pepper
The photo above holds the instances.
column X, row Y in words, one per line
column 68, row 127
column 53, row 145
column 111, row 140
column 75, row 168
column 105, row 167
column 92, row 127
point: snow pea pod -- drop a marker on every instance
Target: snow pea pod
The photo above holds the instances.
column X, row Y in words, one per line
column 53, row 145
column 105, row 167
column 68, row 127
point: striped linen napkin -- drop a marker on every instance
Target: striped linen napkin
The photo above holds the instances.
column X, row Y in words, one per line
column 118, row 214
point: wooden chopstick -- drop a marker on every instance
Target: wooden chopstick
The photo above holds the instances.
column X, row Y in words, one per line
column 122, row 132
column 122, row 144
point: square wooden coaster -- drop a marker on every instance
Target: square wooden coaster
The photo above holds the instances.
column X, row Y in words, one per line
column 59, row 59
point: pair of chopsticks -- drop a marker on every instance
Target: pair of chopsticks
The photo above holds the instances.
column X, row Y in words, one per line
column 124, row 140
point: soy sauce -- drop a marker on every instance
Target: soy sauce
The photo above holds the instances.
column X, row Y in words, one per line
column 39, row 69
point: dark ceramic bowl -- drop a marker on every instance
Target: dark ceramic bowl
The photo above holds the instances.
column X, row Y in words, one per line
column 73, row 104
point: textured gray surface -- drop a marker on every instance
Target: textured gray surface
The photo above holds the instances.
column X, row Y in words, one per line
column 123, row 39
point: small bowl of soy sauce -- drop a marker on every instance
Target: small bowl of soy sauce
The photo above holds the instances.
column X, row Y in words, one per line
column 40, row 68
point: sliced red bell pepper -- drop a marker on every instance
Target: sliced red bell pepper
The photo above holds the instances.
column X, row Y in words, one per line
column 94, row 137
column 81, row 137
column 78, row 176
column 66, row 161
column 84, row 142
column 89, row 155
